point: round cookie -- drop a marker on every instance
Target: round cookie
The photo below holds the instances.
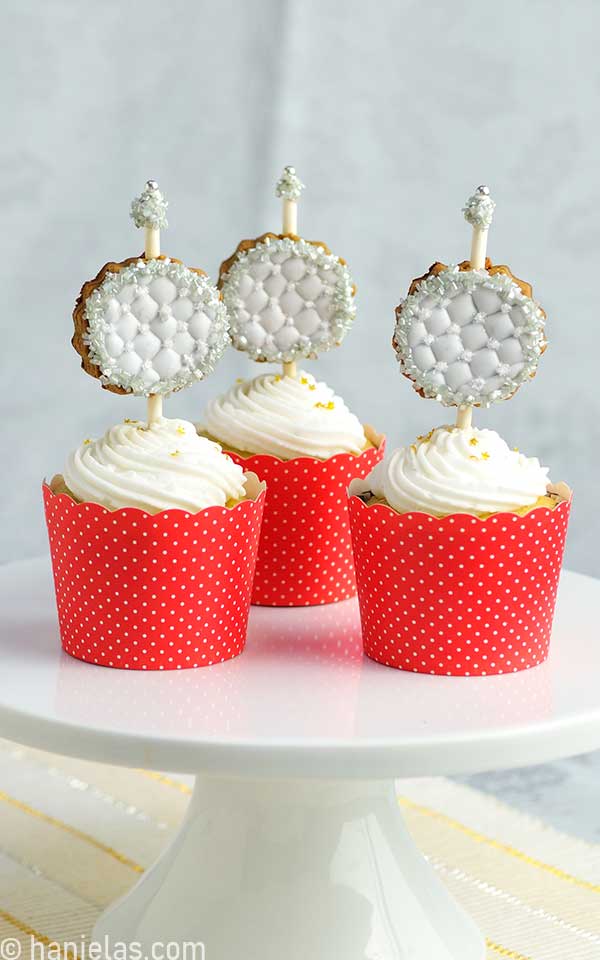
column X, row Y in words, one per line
column 149, row 326
column 469, row 337
column 286, row 297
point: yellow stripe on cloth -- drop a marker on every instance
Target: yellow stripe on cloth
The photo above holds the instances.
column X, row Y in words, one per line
column 79, row 834
column 500, row 951
column 544, row 895
column 75, row 859
column 34, row 934
column 167, row 781
column 498, row 845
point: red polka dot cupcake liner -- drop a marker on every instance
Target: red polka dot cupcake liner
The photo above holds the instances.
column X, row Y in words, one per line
column 168, row 591
column 305, row 551
column 457, row 596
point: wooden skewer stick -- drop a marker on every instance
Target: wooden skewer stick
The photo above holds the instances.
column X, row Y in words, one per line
column 478, row 212
column 148, row 211
column 151, row 243
column 464, row 417
column 154, row 406
column 478, row 248
column 290, row 216
column 289, row 188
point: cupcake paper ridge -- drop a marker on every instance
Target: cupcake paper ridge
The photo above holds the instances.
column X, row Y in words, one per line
column 255, row 491
column 357, row 490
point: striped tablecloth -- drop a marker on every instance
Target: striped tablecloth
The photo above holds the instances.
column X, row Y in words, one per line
column 75, row 835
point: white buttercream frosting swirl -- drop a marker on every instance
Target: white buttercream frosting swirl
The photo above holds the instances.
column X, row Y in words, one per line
column 456, row 470
column 284, row 416
column 158, row 467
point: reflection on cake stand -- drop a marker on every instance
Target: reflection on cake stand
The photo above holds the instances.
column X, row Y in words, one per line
column 294, row 844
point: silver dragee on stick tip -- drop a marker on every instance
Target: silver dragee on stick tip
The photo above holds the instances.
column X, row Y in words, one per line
column 150, row 208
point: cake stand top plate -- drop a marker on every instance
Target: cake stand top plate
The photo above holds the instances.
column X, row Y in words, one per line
column 301, row 701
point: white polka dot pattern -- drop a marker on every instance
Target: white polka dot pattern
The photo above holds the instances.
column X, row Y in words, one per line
column 457, row 596
column 152, row 592
column 305, row 551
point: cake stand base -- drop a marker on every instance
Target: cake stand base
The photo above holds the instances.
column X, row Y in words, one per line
column 294, row 846
column 294, row 869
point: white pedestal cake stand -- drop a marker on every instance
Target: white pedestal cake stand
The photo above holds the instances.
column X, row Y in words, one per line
column 294, row 845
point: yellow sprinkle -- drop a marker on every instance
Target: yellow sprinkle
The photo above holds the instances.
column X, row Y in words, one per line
column 276, row 378
column 516, row 449
column 175, row 453
column 312, row 386
column 87, row 440
column 304, row 380
column 127, row 420
column 180, row 430
column 473, row 441
column 473, row 458
column 485, row 456
column 326, row 406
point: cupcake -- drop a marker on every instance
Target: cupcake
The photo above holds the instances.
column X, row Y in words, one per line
column 289, row 299
column 458, row 540
column 153, row 529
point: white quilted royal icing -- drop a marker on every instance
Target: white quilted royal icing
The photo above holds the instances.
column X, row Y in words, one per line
column 155, row 327
column 286, row 299
column 285, row 417
column 162, row 466
column 455, row 470
column 468, row 337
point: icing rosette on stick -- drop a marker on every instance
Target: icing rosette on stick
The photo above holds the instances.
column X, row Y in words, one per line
column 458, row 539
column 289, row 299
column 153, row 529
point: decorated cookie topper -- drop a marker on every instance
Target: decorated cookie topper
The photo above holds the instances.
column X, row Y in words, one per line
column 149, row 325
column 286, row 297
column 471, row 334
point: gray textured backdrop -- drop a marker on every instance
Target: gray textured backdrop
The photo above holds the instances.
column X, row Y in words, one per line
column 392, row 112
